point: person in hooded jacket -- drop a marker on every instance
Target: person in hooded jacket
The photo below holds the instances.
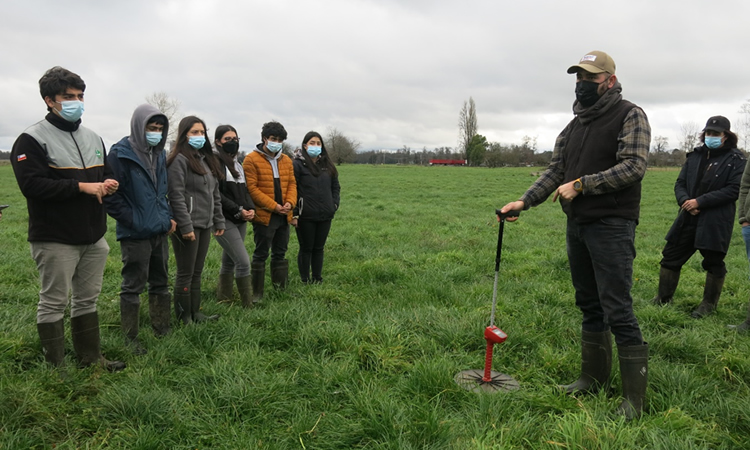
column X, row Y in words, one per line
column 238, row 209
column 143, row 221
column 706, row 191
column 192, row 174
column 318, row 197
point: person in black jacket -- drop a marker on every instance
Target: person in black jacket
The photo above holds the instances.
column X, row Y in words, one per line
column 318, row 199
column 238, row 209
column 706, row 190
column 61, row 168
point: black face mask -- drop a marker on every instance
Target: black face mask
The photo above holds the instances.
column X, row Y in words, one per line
column 587, row 93
column 231, row 147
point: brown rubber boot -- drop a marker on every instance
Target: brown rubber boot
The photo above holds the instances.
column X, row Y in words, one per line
column 258, row 276
column 711, row 294
column 668, row 280
column 744, row 327
column 245, row 287
column 596, row 363
column 129, row 324
column 280, row 273
column 158, row 311
column 195, row 302
column 87, row 344
column 52, row 336
column 225, row 288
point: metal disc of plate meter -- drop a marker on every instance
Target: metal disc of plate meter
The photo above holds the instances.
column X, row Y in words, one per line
column 471, row 380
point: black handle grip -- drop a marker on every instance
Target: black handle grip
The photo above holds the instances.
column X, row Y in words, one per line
column 503, row 216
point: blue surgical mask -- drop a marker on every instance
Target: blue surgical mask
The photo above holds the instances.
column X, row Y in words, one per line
column 72, row 110
column 712, row 141
column 314, row 151
column 197, row 142
column 153, row 137
column 274, row 147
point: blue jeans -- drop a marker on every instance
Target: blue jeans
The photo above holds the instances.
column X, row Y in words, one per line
column 746, row 238
column 601, row 257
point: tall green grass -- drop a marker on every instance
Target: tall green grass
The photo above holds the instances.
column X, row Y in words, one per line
column 367, row 359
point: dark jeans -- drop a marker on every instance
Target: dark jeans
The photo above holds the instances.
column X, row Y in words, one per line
column 601, row 258
column 273, row 237
column 144, row 260
column 190, row 256
column 677, row 253
column 312, row 239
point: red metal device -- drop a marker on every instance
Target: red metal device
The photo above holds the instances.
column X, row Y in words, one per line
column 489, row 381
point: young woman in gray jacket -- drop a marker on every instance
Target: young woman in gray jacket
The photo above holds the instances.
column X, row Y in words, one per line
column 192, row 174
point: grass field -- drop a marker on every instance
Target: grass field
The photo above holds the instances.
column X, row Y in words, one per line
column 367, row 359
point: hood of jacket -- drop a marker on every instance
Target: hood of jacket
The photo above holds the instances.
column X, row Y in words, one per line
column 141, row 117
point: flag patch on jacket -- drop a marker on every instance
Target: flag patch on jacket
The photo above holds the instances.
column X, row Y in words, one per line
column 22, row 157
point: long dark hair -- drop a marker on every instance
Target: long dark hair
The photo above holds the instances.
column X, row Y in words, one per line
column 324, row 162
column 225, row 157
column 183, row 147
column 730, row 141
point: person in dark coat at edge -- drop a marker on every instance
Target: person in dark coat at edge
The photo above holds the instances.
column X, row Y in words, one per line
column 238, row 209
column 61, row 168
column 706, row 191
column 318, row 197
column 596, row 170
column 143, row 220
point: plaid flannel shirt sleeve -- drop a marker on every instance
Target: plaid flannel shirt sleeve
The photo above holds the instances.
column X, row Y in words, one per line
column 632, row 157
column 551, row 178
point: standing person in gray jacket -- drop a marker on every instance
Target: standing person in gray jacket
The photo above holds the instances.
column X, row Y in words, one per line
column 743, row 213
column 193, row 174
column 238, row 209
column 143, row 221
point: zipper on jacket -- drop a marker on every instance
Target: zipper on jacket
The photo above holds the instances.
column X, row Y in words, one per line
column 80, row 155
column 191, row 205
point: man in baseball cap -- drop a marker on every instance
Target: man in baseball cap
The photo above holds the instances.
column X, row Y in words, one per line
column 597, row 165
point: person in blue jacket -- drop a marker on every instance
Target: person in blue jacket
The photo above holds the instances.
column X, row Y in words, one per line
column 143, row 221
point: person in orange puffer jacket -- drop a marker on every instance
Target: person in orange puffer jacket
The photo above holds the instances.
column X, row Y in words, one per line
column 269, row 175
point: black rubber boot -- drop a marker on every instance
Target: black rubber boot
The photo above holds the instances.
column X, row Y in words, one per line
column 634, row 372
column 52, row 336
column 711, row 294
column 87, row 344
column 596, row 363
column 258, row 275
column 668, row 280
column 129, row 324
column 744, row 327
column 245, row 287
column 195, row 301
column 158, row 311
column 225, row 288
column 280, row 273
column 183, row 308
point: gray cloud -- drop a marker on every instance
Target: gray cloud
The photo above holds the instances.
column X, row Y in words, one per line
column 387, row 73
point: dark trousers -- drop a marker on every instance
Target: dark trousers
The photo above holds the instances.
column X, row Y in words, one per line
column 677, row 253
column 312, row 240
column 601, row 257
column 144, row 260
column 190, row 256
column 273, row 237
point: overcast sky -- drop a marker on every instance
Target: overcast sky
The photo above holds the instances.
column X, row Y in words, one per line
column 387, row 73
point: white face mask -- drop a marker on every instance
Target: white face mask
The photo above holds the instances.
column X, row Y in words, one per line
column 274, row 147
